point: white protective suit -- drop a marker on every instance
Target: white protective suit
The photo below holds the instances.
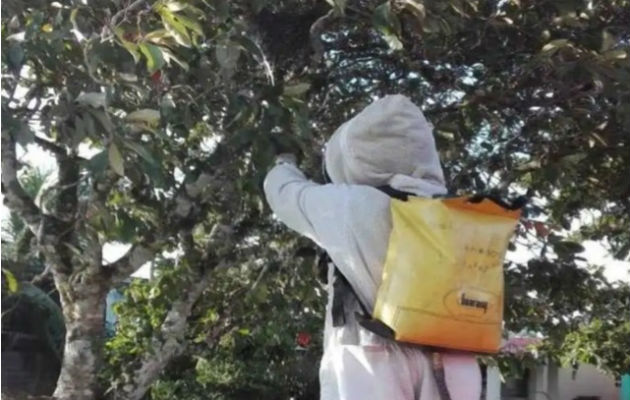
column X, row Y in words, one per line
column 388, row 143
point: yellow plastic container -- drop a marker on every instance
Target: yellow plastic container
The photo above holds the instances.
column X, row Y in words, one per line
column 443, row 275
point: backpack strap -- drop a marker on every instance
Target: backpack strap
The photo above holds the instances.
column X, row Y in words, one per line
column 342, row 290
column 395, row 193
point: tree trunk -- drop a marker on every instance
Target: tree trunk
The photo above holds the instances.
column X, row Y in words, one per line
column 83, row 303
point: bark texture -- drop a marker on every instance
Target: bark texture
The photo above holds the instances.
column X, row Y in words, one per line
column 84, row 313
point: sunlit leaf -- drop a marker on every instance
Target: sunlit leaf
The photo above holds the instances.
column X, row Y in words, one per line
column 145, row 115
column 190, row 24
column 339, row 6
column 297, row 90
column 169, row 56
column 388, row 24
column 12, row 283
column 416, row 8
column 555, row 44
column 175, row 28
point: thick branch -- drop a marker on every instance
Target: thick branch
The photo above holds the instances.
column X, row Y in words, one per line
column 15, row 197
column 50, row 146
column 170, row 343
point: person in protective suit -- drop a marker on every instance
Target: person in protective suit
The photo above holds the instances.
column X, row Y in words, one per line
column 389, row 143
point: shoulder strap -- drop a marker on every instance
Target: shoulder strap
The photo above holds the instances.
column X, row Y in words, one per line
column 395, row 193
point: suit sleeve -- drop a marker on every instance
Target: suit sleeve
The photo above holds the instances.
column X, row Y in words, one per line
column 311, row 209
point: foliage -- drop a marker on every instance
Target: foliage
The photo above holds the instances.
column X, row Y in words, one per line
column 164, row 117
column 243, row 339
column 27, row 307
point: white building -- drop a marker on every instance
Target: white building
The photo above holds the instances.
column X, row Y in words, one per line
column 550, row 382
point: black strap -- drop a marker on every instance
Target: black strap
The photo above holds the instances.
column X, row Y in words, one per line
column 437, row 366
column 395, row 193
column 342, row 290
column 515, row 204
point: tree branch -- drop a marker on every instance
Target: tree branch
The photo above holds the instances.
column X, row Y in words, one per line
column 122, row 14
column 168, row 343
column 50, row 146
column 39, row 278
column 15, row 196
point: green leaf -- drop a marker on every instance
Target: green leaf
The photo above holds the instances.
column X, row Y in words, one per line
column 568, row 247
column 102, row 118
column 116, row 160
column 169, row 56
column 131, row 47
column 151, row 164
column 554, row 45
column 190, row 24
column 156, row 35
column 146, row 115
column 244, row 331
column 12, row 283
column 388, row 24
column 615, row 55
column 142, row 152
column 15, row 57
column 175, row 6
column 177, row 30
column 608, row 40
column 90, row 125
column 80, row 130
column 154, row 57
column 297, row 89
column 98, row 163
column 339, row 6
column 416, row 8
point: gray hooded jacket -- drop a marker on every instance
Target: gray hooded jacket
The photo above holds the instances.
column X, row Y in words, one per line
column 388, row 143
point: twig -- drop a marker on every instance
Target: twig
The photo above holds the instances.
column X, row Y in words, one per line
column 40, row 277
column 122, row 14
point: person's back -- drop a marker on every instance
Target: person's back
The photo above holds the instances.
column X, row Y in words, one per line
column 387, row 144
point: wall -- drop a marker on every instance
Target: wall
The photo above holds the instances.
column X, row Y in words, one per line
column 588, row 382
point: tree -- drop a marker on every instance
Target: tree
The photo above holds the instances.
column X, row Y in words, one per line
column 164, row 116
column 29, row 306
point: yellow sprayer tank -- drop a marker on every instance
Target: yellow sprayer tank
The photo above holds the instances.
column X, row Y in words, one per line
column 443, row 275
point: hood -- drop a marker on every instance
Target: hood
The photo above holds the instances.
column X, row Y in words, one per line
column 387, row 143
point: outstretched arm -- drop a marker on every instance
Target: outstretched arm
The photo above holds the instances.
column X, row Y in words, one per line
column 311, row 209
